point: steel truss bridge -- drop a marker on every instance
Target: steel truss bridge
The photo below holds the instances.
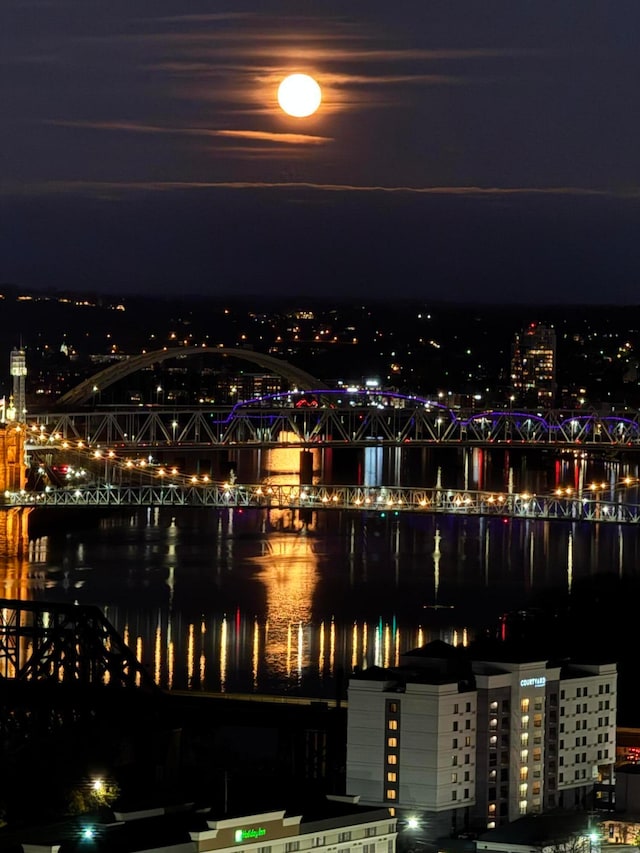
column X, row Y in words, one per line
column 64, row 644
column 592, row 508
column 329, row 418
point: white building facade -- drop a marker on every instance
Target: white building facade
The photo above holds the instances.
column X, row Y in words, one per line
column 480, row 742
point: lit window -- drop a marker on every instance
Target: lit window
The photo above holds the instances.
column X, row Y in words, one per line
column 493, row 722
column 392, row 777
column 392, row 741
column 493, row 706
column 454, row 778
column 523, row 806
column 524, row 755
column 524, row 706
column 524, row 774
column 392, row 759
column 524, row 721
column 523, row 789
column 392, row 725
column 391, row 794
column 524, row 739
column 393, row 707
column 492, row 808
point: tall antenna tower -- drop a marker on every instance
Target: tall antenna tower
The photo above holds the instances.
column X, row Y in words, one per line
column 18, row 371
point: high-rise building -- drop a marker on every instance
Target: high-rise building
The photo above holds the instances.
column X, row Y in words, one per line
column 481, row 742
column 533, row 365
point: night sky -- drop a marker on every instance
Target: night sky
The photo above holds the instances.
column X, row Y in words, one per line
column 468, row 151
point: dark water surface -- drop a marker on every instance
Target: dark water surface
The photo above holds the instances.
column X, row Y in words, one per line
column 274, row 601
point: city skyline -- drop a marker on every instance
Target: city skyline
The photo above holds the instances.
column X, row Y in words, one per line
column 461, row 152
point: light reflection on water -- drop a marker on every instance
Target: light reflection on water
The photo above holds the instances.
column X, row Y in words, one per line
column 272, row 601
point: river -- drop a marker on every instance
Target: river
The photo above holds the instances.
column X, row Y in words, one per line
column 279, row 602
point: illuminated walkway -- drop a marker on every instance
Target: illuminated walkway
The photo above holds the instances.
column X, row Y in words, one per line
column 592, row 507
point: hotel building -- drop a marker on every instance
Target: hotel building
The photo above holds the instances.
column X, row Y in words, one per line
column 481, row 742
column 336, row 824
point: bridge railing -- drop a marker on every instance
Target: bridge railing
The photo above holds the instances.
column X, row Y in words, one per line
column 591, row 508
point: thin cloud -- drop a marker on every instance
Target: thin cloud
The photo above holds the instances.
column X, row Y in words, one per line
column 284, row 138
column 102, row 188
column 249, row 135
column 213, row 17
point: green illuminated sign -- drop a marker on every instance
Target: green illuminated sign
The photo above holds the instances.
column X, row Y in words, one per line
column 249, row 834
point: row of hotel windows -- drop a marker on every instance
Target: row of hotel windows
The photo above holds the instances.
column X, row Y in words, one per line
column 578, row 774
column 584, row 691
column 603, row 737
column 582, row 724
column 583, row 759
column 320, row 841
column 366, row 848
column 584, row 708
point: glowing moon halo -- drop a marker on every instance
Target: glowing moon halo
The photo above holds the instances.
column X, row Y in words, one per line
column 299, row 95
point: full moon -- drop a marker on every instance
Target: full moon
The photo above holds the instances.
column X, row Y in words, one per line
column 299, row 95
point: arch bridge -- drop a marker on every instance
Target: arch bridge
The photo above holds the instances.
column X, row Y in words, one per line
column 89, row 387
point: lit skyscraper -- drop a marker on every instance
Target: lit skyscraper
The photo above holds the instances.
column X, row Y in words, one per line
column 533, row 365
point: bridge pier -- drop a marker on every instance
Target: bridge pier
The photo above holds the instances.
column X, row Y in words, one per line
column 14, row 530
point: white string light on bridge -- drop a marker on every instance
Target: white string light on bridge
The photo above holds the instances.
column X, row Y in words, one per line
column 563, row 503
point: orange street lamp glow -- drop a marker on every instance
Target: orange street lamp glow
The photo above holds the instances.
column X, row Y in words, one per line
column 299, row 95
